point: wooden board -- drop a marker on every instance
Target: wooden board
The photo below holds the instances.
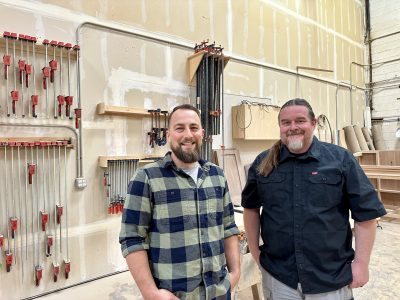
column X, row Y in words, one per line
column 389, row 157
column 229, row 161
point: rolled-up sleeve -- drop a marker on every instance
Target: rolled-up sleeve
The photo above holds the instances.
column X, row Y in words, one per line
column 136, row 216
column 230, row 227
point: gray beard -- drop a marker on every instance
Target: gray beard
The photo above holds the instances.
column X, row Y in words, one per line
column 295, row 145
column 186, row 157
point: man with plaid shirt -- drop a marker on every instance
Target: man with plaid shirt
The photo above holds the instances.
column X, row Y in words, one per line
column 178, row 232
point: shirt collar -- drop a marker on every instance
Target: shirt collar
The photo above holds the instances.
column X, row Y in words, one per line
column 314, row 152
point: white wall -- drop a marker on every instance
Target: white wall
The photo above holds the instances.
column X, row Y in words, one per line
column 385, row 19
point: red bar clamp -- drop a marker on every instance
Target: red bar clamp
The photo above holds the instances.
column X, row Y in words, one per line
column 67, row 268
column 78, row 116
column 35, row 101
column 6, row 63
column 60, row 210
column 13, row 225
column 56, row 271
column 1, row 240
column 14, row 98
column 49, row 245
column 68, row 103
column 28, row 71
column 21, row 65
column 9, row 260
column 45, row 218
column 61, row 101
column 38, row 274
column 31, row 170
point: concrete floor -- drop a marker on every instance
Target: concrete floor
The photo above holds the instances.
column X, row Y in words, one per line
column 384, row 276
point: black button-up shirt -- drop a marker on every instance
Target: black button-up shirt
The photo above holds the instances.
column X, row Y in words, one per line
column 305, row 217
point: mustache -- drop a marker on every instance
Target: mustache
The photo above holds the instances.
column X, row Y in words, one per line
column 295, row 132
column 188, row 140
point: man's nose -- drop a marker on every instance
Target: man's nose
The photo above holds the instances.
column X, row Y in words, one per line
column 293, row 126
column 187, row 132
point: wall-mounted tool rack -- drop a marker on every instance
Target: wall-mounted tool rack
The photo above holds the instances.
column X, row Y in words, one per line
column 158, row 132
column 117, row 174
column 145, row 158
column 40, row 48
column 34, row 225
column 52, row 140
column 126, row 111
column 194, row 61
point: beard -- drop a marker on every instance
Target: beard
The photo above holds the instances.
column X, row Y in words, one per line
column 186, row 157
column 295, row 140
column 295, row 144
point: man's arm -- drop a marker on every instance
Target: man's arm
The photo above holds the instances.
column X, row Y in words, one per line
column 232, row 256
column 138, row 263
column 364, row 240
column 251, row 219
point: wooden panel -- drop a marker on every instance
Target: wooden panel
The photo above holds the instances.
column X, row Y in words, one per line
column 389, row 157
column 369, row 158
column 388, row 184
column 389, row 198
column 255, row 122
column 229, row 161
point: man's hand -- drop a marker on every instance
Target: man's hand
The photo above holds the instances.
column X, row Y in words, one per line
column 360, row 274
column 234, row 279
column 165, row 295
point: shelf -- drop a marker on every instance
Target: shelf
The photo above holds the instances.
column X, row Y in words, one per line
column 142, row 158
column 389, row 191
column 382, row 172
column 126, row 111
column 39, row 49
column 194, row 61
column 70, row 141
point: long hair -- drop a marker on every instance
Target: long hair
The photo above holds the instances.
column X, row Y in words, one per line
column 272, row 159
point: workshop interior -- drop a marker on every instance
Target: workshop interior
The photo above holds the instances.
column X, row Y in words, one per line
column 87, row 87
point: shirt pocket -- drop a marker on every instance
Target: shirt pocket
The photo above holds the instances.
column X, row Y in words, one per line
column 325, row 188
column 215, row 201
column 272, row 189
column 172, row 207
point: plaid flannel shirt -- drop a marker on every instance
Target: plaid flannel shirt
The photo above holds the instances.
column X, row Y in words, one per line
column 182, row 225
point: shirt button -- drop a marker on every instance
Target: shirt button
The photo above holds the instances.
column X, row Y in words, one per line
column 301, row 266
column 297, row 185
column 297, row 205
column 297, row 225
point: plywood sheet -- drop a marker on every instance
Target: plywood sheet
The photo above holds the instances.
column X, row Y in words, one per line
column 229, row 161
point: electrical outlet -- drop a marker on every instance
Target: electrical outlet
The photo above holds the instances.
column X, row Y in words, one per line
column 80, row 183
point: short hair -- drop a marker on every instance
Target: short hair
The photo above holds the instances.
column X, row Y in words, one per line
column 184, row 107
column 299, row 102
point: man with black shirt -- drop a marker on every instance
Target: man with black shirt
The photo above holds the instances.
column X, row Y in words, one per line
column 306, row 189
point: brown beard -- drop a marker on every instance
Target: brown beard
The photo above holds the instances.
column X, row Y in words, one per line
column 187, row 157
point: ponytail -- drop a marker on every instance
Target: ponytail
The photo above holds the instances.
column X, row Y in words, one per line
column 271, row 160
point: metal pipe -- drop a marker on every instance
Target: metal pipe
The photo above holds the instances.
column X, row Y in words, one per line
column 189, row 46
column 51, row 126
column 383, row 36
